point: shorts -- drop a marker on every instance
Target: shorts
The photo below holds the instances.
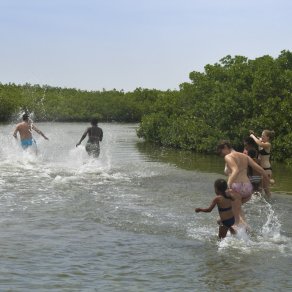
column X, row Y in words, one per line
column 25, row 143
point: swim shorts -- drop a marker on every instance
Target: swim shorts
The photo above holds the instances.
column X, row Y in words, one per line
column 27, row 142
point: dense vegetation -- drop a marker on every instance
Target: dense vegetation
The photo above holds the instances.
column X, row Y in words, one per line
column 62, row 104
column 223, row 102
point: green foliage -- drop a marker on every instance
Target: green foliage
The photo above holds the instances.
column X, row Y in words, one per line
column 62, row 104
column 224, row 102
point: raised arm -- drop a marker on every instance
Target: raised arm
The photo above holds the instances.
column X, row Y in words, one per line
column 265, row 145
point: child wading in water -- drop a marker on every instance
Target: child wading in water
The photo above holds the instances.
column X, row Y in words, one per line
column 223, row 201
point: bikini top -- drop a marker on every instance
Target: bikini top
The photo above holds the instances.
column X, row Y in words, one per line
column 264, row 152
column 224, row 209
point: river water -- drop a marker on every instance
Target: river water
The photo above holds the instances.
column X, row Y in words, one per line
column 126, row 221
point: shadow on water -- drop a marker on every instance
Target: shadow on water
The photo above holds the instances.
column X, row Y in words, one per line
column 189, row 160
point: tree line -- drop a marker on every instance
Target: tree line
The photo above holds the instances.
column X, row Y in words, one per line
column 224, row 102
column 66, row 104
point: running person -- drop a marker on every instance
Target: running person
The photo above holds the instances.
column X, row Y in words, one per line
column 223, row 201
column 236, row 167
column 95, row 135
column 25, row 132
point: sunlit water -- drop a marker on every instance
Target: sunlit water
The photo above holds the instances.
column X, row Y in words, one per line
column 126, row 221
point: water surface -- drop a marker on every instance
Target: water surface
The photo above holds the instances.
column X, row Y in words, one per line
column 126, row 221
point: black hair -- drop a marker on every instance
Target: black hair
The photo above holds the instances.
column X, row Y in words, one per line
column 221, row 185
column 252, row 153
column 25, row 116
column 94, row 121
column 250, row 141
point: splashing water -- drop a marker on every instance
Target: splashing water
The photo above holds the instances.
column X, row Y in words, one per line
column 124, row 214
column 271, row 229
column 264, row 233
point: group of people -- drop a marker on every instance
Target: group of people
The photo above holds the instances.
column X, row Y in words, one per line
column 94, row 133
column 244, row 170
column 241, row 170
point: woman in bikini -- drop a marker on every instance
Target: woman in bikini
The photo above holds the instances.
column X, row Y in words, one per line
column 236, row 167
column 264, row 144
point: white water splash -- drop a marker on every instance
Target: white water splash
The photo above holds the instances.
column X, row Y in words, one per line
column 265, row 234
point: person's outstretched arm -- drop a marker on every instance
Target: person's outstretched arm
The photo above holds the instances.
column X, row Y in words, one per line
column 209, row 209
column 82, row 138
column 39, row 132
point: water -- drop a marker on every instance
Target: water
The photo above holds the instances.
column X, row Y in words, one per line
column 126, row 221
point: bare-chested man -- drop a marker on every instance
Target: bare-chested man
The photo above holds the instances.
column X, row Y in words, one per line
column 25, row 131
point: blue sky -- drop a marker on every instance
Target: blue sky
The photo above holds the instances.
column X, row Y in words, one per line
column 125, row 44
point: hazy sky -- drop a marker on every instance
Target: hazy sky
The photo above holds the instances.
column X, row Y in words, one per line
column 125, row 44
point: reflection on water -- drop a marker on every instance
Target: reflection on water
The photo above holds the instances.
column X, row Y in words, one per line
column 211, row 163
column 184, row 159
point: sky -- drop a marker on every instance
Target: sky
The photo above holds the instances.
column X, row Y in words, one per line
column 126, row 44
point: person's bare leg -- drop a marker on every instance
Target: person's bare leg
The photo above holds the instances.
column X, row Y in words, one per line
column 266, row 187
column 222, row 231
column 237, row 210
column 232, row 230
